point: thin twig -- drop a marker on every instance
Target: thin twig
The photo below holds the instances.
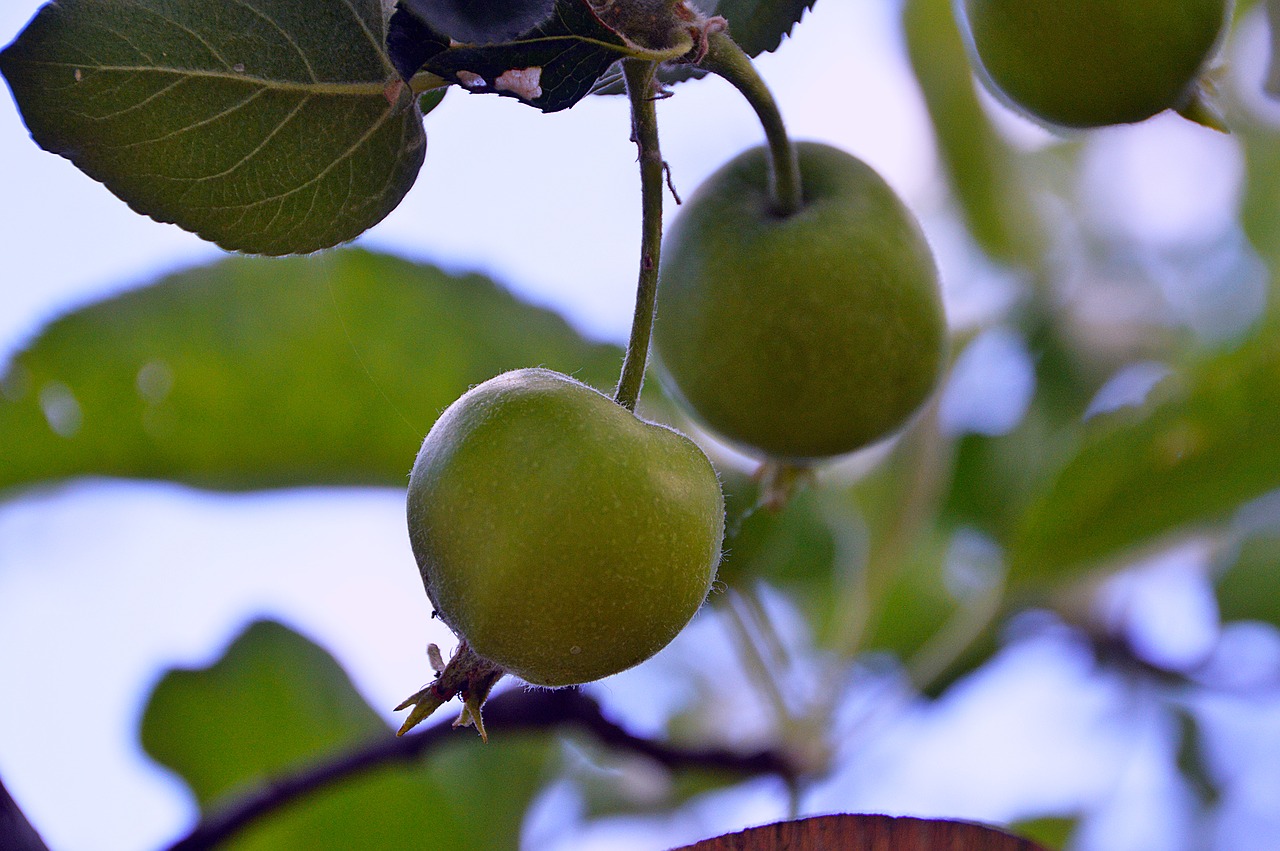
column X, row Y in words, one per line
column 511, row 712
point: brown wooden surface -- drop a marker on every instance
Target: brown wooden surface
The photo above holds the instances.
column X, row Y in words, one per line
column 867, row 833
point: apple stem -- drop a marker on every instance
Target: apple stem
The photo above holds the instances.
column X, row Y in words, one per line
column 639, row 75
column 725, row 58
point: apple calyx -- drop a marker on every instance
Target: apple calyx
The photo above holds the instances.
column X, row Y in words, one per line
column 468, row 675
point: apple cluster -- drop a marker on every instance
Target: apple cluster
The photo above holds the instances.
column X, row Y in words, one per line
column 563, row 538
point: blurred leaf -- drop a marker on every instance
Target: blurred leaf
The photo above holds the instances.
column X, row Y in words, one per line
column 983, row 169
column 1248, row 586
column 994, row 476
column 914, row 601
column 1210, row 445
column 268, row 682
column 792, row 545
column 1273, row 70
column 273, row 127
column 941, row 623
column 1261, row 187
column 551, row 67
column 1051, row 831
column 270, row 373
column 868, row 833
column 276, row 702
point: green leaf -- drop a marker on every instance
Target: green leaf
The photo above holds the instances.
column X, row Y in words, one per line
column 1261, row 186
column 1206, row 447
column 260, row 373
column 275, row 703
column 1248, row 586
column 914, row 601
column 268, row 126
column 758, row 26
column 1052, row 832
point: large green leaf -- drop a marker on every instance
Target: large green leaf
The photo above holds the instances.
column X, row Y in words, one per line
column 259, row 373
column 266, row 126
column 275, row 703
column 1210, row 444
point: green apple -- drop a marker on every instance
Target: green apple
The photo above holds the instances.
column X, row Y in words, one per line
column 560, row 536
column 1088, row 63
column 801, row 336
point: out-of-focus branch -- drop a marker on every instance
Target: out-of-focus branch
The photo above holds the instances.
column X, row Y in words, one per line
column 511, row 712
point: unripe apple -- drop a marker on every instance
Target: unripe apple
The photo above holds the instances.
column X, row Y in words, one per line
column 560, row 536
column 1088, row 63
column 806, row 335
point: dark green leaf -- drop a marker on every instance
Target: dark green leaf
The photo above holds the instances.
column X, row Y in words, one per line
column 270, row 126
column 260, row 373
column 551, row 67
column 1209, row 445
column 481, row 23
column 431, row 99
column 758, row 26
column 276, row 702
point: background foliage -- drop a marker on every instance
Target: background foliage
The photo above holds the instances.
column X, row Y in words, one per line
column 1139, row 372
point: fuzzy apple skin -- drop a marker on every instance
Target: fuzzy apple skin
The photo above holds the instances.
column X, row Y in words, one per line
column 804, row 336
column 1089, row 63
column 561, row 536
